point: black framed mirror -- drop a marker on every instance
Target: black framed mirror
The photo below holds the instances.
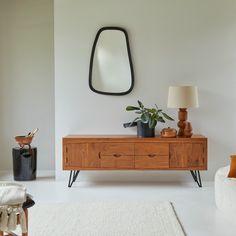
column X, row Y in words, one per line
column 111, row 68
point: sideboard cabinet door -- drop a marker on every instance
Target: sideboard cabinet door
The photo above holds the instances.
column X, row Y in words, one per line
column 94, row 154
column 187, row 155
column 74, row 155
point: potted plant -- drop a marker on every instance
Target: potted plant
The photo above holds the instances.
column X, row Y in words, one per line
column 147, row 119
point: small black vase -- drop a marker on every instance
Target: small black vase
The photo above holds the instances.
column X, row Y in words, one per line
column 143, row 130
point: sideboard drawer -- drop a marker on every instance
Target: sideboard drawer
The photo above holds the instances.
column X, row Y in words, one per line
column 110, row 149
column 117, row 161
column 151, row 161
column 151, row 149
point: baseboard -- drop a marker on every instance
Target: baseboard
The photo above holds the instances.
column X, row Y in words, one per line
column 8, row 174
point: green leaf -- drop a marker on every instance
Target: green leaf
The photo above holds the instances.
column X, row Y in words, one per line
column 145, row 117
column 160, row 119
column 166, row 116
column 155, row 116
column 136, row 119
column 148, row 115
column 132, row 108
column 152, row 123
column 140, row 104
column 138, row 112
column 155, row 123
column 153, row 110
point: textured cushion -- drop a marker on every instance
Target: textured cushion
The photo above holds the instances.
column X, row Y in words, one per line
column 232, row 171
column 225, row 191
column 12, row 193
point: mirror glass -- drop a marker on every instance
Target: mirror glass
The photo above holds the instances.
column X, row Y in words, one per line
column 111, row 70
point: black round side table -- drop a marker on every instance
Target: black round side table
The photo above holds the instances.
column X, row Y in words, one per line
column 24, row 163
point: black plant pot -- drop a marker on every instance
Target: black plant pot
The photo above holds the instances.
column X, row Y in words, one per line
column 143, row 130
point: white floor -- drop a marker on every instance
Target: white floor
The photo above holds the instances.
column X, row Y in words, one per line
column 195, row 206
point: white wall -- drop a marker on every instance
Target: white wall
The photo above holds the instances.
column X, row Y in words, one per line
column 26, row 77
column 185, row 42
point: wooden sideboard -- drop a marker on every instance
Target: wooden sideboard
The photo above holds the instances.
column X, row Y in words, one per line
column 126, row 152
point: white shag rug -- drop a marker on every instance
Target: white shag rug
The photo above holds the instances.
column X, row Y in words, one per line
column 105, row 219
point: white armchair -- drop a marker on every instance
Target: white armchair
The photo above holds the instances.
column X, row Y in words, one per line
column 225, row 191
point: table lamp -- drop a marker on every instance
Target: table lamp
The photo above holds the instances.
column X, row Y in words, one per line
column 182, row 97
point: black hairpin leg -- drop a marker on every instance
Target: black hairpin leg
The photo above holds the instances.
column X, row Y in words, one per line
column 197, row 177
column 73, row 177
